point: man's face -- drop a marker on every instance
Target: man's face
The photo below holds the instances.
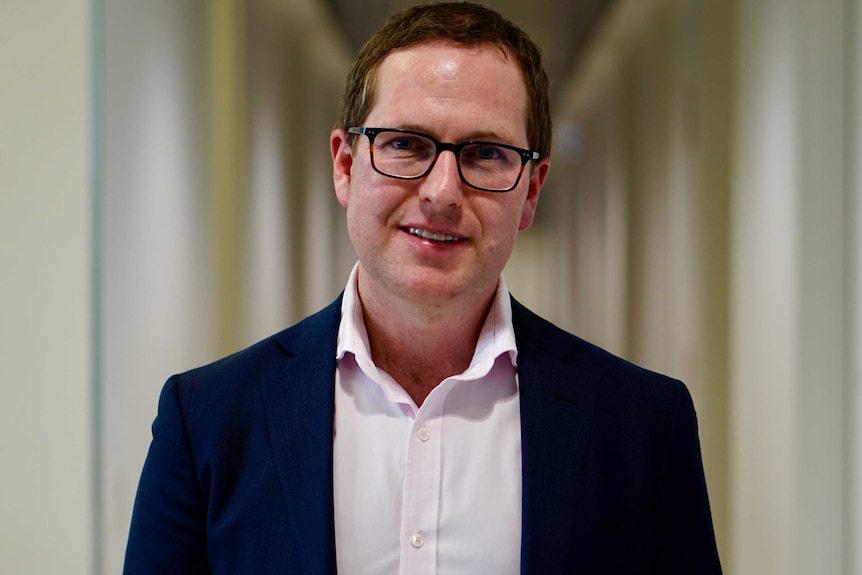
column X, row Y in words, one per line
column 435, row 240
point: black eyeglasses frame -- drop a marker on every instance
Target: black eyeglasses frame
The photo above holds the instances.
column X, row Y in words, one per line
column 440, row 147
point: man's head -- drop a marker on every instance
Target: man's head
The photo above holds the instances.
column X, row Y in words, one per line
column 462, row 23
column 433, row 157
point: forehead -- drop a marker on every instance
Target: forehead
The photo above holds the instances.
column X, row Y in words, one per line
column 442, row 82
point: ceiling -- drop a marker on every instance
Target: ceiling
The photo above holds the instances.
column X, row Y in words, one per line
column 560, row 27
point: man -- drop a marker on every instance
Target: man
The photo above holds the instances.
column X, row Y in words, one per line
column 426, row 422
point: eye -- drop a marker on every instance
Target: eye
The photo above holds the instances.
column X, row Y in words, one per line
column 403, row 143
column 485, row 152
column 489, row 156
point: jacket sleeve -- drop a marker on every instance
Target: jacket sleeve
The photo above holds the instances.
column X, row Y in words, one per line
column 685, row 540
column 168, row 529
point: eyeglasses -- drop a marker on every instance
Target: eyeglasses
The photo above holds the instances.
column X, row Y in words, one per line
column 409, row 155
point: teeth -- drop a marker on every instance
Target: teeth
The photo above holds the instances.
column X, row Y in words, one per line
column 431, row 236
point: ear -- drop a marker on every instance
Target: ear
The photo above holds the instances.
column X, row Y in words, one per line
column 537, row 180
column 342, row 162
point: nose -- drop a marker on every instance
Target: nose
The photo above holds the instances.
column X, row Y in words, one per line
column 442, row 186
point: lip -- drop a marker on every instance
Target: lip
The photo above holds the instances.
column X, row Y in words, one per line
column 436, row 236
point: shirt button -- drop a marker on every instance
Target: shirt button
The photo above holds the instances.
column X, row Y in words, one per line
column 423, row 433
column 416, row 540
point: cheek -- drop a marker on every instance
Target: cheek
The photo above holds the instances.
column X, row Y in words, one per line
column 501, row 219
column 367, row 214
column 381, row 199
column 356, row 221
column 503, row 233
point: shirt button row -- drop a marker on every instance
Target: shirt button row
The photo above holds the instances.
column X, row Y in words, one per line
column 416, row 540
column 423, row 433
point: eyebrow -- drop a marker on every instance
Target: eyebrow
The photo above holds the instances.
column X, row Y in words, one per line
column 483, row 135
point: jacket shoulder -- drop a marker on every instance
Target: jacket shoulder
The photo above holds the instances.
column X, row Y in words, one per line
column 228, row 387
column 540, row 340
column 314, row 333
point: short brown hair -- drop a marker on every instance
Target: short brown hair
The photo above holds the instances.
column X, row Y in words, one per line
column 463, row 23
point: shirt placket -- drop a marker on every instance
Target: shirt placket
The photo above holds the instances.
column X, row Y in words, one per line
column 421, row 496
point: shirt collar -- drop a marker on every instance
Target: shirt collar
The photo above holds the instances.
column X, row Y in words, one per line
column 496, row 338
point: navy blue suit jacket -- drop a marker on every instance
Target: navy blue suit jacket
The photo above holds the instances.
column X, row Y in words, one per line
column 238, row 478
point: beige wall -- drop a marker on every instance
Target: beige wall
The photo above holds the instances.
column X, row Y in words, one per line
column 638, row 205
column 46, row 270
column 710, row 159
column 155, row 301
column 217, row 223
column 788, row 301
column 852, row 219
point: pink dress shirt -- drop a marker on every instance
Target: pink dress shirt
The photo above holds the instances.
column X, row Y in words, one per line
column 434, row 489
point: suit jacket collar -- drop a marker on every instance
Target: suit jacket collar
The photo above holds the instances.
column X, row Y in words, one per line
column 556, row 415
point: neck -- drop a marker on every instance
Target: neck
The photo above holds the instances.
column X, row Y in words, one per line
column 421, row 345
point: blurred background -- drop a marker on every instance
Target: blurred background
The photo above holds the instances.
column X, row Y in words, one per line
column 166, row 198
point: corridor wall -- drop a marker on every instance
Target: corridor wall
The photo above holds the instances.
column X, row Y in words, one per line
column 711, row 148
column 46, row 284
column 639, row 204
column 217, row 223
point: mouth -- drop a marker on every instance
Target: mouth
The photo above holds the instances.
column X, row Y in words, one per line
column 433, row 236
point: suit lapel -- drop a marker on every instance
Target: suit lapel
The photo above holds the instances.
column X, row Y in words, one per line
column 557, row 402
column 297, row 394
